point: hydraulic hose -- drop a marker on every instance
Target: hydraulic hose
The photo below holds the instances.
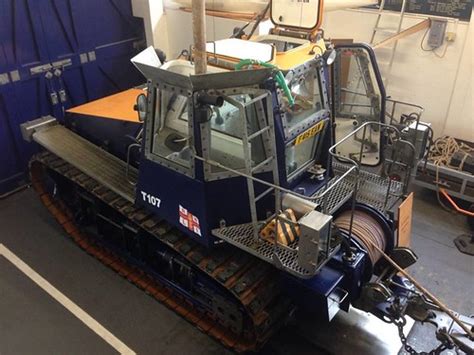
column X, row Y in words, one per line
column 279, row 78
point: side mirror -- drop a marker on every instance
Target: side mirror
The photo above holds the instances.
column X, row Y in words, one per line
column 141, row 107
column 330, row 56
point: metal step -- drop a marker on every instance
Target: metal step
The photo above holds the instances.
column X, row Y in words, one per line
column 90, row 159
column 259, row 133
column 386, row 30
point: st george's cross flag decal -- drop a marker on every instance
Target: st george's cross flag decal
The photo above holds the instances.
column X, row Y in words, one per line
column 189, row 220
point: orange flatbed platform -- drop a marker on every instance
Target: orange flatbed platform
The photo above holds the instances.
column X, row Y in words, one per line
column 118, row 106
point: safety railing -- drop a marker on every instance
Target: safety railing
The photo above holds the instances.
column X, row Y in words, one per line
column 350, row 176
column 326, row 191
column 404, row 114
column 387, row 130
column 281, row 189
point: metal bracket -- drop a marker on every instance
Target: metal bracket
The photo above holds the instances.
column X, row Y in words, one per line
column 50, row 66
column 40, row 69
column 31, row 127
column 404, row 257
column 301, row 34
column 15, row 76
column 62, row 96
column 62, row 63
column 4, row 79
column 54, row 98
column 92, row 56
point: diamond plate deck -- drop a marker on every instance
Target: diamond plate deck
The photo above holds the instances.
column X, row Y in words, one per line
column 242, row 235
column 373, row 188
column 337, row 196
column 89, row 158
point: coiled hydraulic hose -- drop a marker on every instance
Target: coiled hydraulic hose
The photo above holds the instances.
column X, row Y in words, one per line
column 279, row 78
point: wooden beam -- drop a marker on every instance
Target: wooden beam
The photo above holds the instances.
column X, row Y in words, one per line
column 239, row 16
column 199, row 35
column 409, row 31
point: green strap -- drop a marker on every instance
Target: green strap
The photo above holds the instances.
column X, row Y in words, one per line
column 278, row 75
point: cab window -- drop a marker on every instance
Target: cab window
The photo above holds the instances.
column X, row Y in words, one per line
column 171, row 137
column 308, row 98
column 301, row 152
column 226, row 134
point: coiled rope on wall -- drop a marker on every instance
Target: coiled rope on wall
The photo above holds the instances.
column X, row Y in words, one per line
column 366, row 230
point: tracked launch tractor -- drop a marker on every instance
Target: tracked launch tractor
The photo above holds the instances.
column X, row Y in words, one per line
column 275, row 181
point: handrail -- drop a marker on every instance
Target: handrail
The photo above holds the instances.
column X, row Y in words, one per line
column 353, row 168
column 364, row 127
column 127, row 168
column 421, row 108
column 395, row 103
column 332, row 149
column 269, row 184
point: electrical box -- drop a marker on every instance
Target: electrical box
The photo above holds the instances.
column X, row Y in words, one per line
column 315, row 233
column 437, row 32
column 418, row 134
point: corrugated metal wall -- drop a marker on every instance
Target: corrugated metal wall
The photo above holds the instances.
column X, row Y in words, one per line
column 55, row 54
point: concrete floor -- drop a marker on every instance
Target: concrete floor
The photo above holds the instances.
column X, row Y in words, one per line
column 32, row 322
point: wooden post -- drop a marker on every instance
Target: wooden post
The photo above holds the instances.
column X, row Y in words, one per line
column 199, row 35
column 409, row 31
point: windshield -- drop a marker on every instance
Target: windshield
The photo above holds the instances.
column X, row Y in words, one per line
column 307, row 95
column 226, row 133
column 170, row 129
column 301, row 152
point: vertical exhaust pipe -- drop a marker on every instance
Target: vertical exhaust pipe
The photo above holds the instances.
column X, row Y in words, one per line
column 199, row 35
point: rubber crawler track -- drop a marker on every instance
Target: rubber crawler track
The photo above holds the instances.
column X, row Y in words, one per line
column 253, row 282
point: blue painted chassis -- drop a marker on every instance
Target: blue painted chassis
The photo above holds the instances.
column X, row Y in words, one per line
column 227, row 199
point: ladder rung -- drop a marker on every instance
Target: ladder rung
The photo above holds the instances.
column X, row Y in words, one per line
column 263, row 163
column 258, row 133
column 382, row 63
column 264, row 193
column 384, row 50
column 396, row 162
column 384, row 12
column 385, row 30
